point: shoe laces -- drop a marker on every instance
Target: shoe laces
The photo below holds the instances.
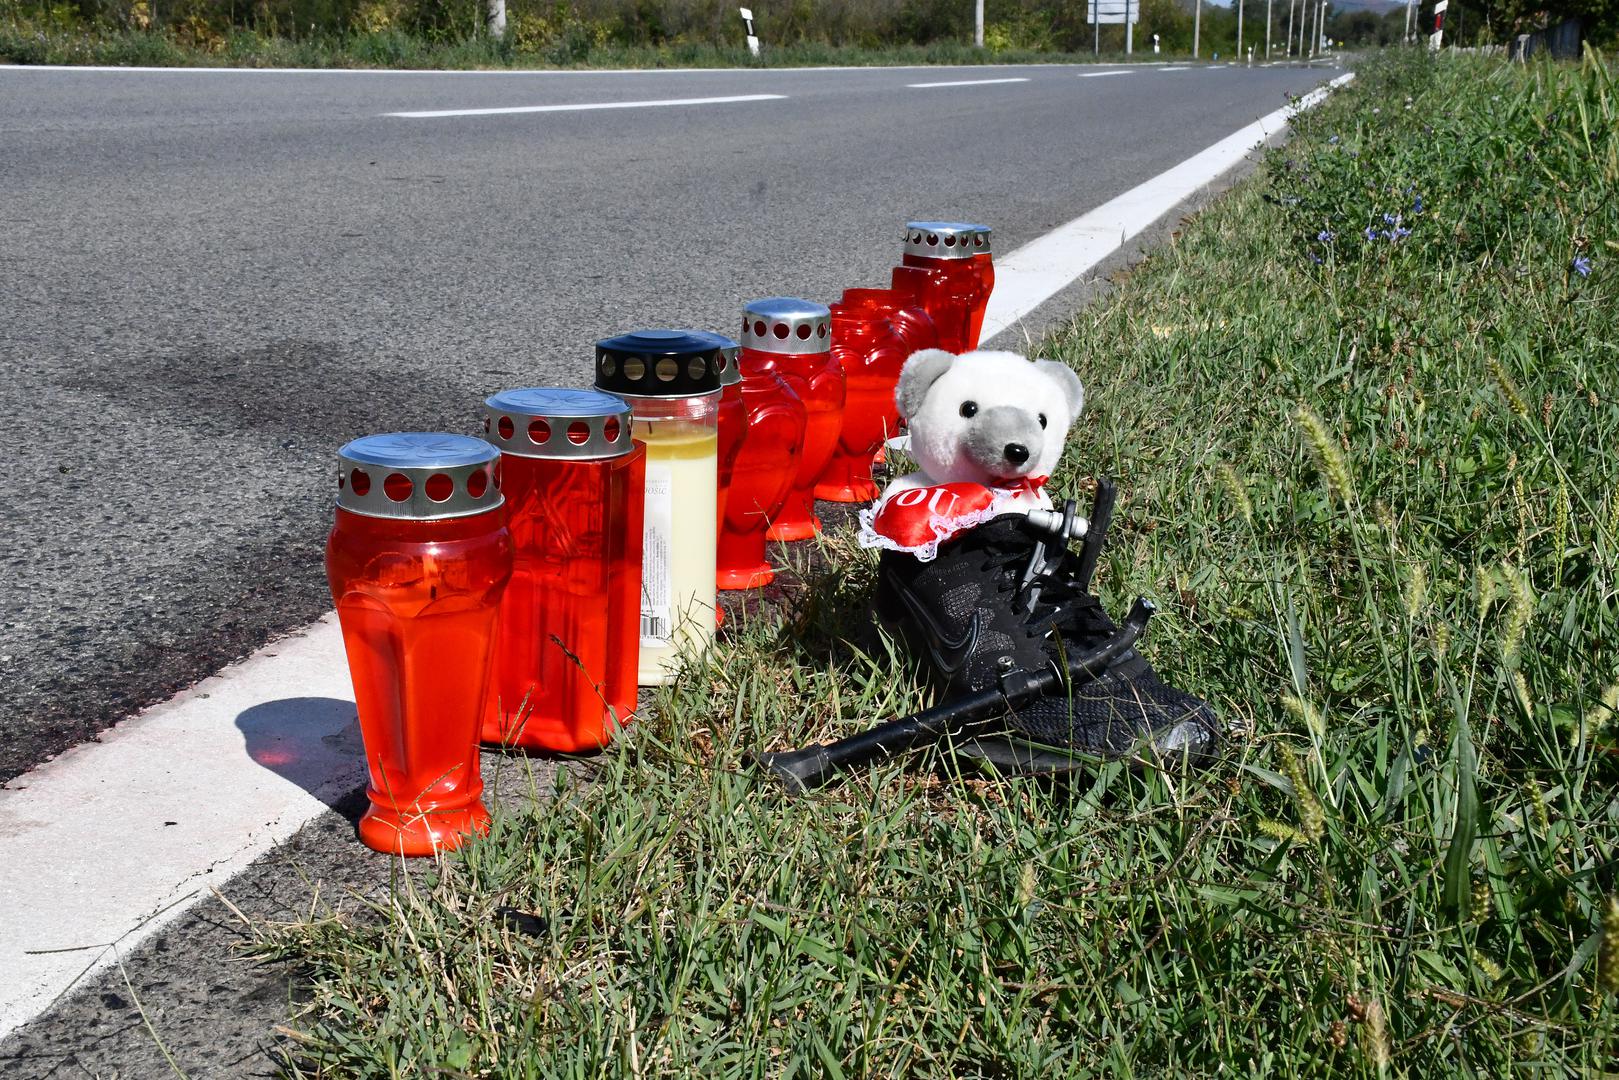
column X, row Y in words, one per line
column 1050, row 599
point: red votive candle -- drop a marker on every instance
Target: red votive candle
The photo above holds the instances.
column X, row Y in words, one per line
column 955, row 292
column 871, row 353
column 569, row 641
column 765, row 467
column 793, row 338
column 417, row 562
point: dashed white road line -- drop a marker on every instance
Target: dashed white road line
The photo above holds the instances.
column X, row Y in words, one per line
column 587, row 106
column 1166, row 68
column 963, row 82
column 106, row 843
column 1103, row 74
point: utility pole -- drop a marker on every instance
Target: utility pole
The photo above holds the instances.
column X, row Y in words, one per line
column 978, row 24
column 1288, row 41
column 1239, row 28
column 1129, row 31
column 1197, row 26
column 1267, row 31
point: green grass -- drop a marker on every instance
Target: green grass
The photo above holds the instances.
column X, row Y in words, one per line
column 1375, row 497
column 32, row 44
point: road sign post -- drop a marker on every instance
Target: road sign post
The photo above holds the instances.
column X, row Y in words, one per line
column 1127, row 12
column 753, row 41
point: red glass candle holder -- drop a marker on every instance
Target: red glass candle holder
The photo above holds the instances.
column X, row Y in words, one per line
column 793, row 338
column 733, row 431
column 569, row 640
column 958, row 278
column 866, row 342
column 766, row 466
column 417, row 562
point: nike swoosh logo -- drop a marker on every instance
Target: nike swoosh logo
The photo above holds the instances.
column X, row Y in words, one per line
column 948, row 652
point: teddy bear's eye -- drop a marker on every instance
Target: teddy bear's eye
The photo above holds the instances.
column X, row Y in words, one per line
column 970, row 408
column 1042, row 421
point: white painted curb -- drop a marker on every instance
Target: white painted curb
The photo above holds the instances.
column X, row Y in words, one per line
column 114, row 838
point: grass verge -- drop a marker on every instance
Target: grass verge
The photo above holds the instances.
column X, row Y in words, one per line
column 28, row 44
column 1364, row 415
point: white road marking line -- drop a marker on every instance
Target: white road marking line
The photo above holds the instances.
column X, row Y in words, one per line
column 245, row 758
column 964, row 82
column 1102, row 74
column 1174, row 69
column 1037, row 271
column 587, row 107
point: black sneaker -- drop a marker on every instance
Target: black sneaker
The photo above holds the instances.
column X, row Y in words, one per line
column 1001, row 590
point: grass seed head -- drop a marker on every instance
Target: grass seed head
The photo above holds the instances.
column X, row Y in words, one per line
column 1416, row 590
column 1312, row 819
column 1509, row 389
column 1329, row 456
column 1375, row 1036
column 1486, row 966
column 1238, row 491
column 1600, row 715
column 1608, row 952
column 1537, row 806
column 1305, row 713
column 1520, row 609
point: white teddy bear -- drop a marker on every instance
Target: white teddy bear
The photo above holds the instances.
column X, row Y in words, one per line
column 986, row 430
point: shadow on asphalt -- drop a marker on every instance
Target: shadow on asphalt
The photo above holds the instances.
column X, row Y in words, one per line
column 313, row 742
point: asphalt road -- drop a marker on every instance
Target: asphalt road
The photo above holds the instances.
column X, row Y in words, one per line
column 210, row 280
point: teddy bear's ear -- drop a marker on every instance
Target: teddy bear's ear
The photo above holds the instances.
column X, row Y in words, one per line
column 920, row 372
column 1064, row 376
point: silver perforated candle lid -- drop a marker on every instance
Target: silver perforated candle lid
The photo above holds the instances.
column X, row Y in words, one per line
column 785, row 324
column 730, row 369
column 552, row 422
column 418, row 476
column 946, row 239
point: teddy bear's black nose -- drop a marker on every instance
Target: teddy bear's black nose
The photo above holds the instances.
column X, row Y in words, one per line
column 1016, row 453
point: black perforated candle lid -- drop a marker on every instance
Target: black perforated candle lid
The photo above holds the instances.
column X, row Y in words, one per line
column 661, row 363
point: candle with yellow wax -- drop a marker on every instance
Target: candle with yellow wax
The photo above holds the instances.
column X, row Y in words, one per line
column 671, row 380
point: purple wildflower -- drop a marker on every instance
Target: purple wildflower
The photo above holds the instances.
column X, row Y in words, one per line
column 1391, row 219
column 1399, row 233
column 1325, row 236
column 1313, row 257
column 1416, row 207
column 1371, row 233
column 1581, row 266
